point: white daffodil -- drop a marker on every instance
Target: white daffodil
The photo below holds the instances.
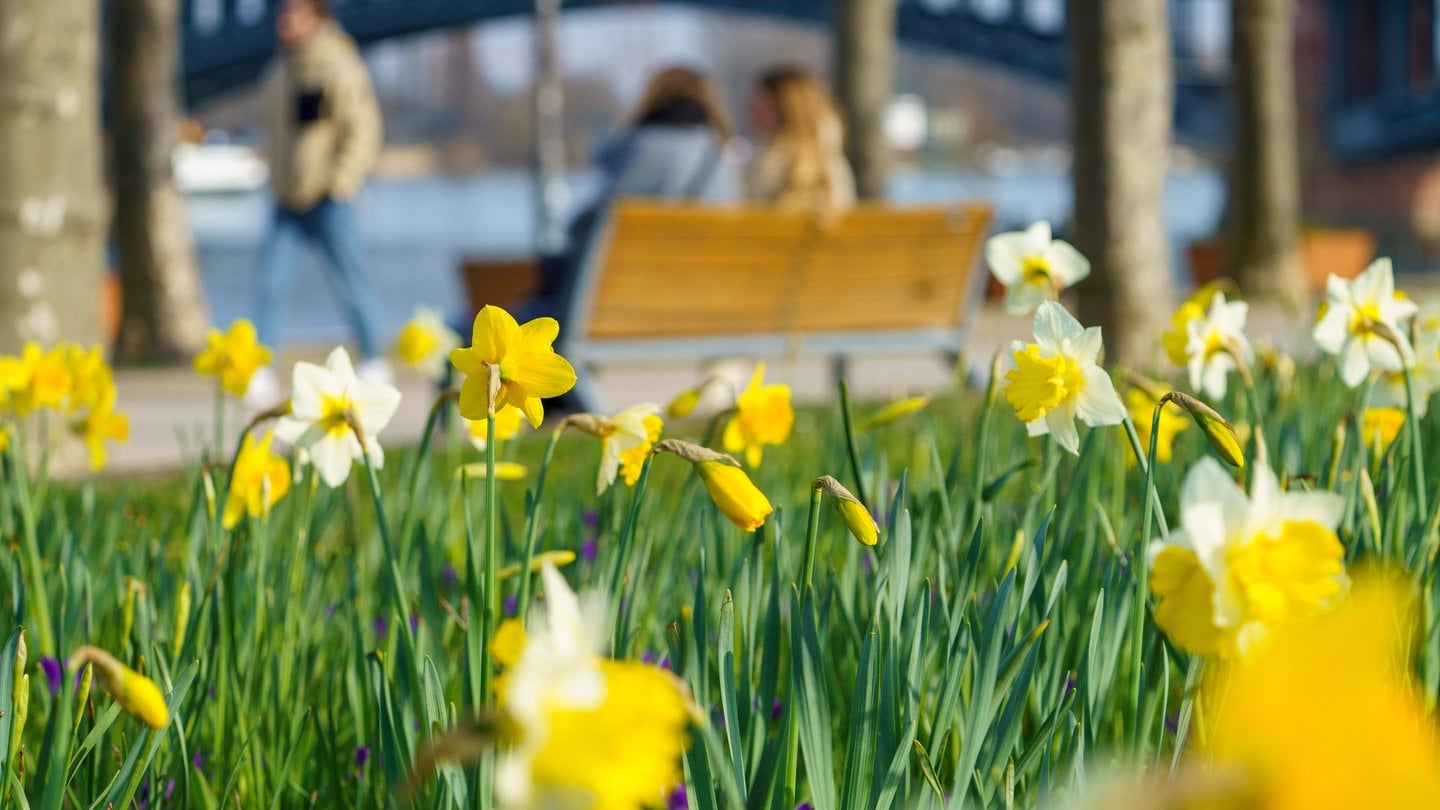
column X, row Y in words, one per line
column 592, row 732
column 323, row 402
column 1238, row 565
column 1390, row 388
column 1356, row 314
column 1056, row 380
column 1032, row 266
column 1210, row 341
column 424, row 342
column 629, row 435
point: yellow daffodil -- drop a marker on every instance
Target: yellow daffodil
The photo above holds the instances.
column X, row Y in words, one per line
column 1216, row 344
column 326, row 404
column 591, row 732
column 93, row 381
column 507, row 424
column 1325, row 715
column 100, row 424
column 1142, row 412
column 1380, row 426
column 4, row 438
column 762, row 416
column 1364, row 323
column 36, row 379
column 135, row 693
column 1177, row 338
column 529, row 368
column 425, row 342
column 1033, row 266
column 233, row 356
column 894, row 412
column 261, row 479
column 625, row 440
column 1056, row 380
column 853, row 514
column 1240, row 565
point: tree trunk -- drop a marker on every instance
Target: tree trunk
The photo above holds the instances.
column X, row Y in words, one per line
column 164, row 314
column 1121, row 108
column 52, row 204
column 1263, row 211
column 549, row 132
column 865, row 80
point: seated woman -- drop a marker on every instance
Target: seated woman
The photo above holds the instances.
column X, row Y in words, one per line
column 673, row 148
column 801, row 158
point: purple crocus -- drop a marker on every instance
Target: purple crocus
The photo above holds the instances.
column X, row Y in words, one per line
column 382, row 626
column 511, row 605
column 362, row 755
column 54, row 671
column 678, row 799
column 449, row 576
column 588, row 550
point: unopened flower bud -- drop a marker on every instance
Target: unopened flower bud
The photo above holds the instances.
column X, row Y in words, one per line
column 135, row 693
column 1220, row 433
column 852, row 512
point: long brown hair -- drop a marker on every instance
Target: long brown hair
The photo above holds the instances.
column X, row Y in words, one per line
column 810, row 132
column 678, row 85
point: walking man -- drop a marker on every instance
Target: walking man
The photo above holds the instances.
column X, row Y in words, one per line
column 324, row 135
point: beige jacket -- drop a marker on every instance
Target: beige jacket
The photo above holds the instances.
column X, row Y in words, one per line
column 325, row 129
column 778, row 174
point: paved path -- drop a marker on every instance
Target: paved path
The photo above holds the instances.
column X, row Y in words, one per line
column 171, row 410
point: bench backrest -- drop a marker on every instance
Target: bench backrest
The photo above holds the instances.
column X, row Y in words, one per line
column 668, row 270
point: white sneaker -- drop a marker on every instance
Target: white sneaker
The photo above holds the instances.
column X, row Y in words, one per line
column 376, row 369
column 264, row 390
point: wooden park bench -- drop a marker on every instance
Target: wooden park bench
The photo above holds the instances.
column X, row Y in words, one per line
column 666, row 280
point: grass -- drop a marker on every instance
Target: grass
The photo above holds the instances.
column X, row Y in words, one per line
column 995, row 648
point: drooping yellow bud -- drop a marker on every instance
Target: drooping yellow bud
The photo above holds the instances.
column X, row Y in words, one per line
column 684, row 404
column 135, row 693
column 555, row 558
column 1219, row 432
column 856, row 517
column 894, row 412
column 504, row 470
column 736, row 495
column 182, row 618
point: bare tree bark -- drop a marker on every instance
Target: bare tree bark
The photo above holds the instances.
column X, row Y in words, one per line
column 1263, row 210
column 1121, row 99
column 52, row 204
column 865, row 80
column 164, row 314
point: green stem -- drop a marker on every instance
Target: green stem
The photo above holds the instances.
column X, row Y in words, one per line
column 1137, row 564
column 219, row 418
column 39, row 595
column 417, row 465
column 532, row 523
column 489, row 617
column 1422, row 504
column 622, row 555
column 397, row 584
column 1143, row 456
column 812, row 529
column 849, row 423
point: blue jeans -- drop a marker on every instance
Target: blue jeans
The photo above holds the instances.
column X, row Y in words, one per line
column 330, row 226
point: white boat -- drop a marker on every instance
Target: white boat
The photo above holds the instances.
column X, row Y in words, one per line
column 218, row 168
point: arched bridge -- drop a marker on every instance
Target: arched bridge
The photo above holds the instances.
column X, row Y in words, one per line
column 228, row 42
